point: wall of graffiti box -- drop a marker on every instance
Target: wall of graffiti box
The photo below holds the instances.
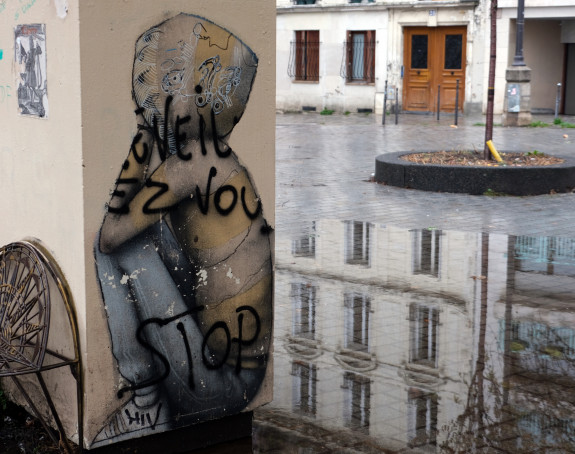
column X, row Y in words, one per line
column 138, row 153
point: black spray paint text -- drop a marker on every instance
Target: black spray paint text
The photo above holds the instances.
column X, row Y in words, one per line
column 209, row 360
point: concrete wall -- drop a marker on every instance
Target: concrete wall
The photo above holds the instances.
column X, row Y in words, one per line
column 544, row 54
column 544, row 39
column 58, row 172
column 568, row 31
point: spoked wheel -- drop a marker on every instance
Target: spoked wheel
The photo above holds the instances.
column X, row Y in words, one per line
column 24, row 310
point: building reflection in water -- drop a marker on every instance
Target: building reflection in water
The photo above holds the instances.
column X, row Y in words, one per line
column 437, row 341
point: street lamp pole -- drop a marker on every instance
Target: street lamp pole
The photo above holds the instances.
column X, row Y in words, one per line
column 518, row 58
column 517, row 105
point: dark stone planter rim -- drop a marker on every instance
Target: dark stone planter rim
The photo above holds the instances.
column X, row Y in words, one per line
column 399, row 154
column 511, row 180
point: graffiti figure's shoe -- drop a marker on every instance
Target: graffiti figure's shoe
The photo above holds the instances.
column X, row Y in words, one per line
column 130, row 418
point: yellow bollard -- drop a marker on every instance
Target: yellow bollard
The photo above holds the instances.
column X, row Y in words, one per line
column 493, row 151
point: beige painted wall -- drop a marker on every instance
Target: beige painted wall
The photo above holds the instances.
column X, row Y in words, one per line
column 40, row 159
column 56, row 174
column 544, row 54
column 41, row 163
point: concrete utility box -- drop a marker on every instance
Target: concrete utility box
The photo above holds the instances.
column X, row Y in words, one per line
column 138, row 147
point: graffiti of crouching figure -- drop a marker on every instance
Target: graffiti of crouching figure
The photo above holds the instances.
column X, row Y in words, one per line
column 183, row 255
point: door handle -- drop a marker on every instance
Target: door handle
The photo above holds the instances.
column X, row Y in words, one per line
column 452, row 73
column 418, row 73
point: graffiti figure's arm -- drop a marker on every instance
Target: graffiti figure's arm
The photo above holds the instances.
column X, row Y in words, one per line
column 133, row 173
column 173, row 180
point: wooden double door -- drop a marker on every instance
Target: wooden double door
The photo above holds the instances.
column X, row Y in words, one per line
column 434, row 59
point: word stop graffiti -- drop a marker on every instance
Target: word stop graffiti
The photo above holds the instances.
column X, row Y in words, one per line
column 183, row 255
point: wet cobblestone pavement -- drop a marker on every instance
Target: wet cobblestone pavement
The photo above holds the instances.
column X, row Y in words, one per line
column 409, row 321
column 415, row 322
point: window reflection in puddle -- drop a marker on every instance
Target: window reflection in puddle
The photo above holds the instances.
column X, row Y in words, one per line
column 439, row 341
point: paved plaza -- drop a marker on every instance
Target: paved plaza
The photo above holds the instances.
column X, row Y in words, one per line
column 324, row 163
column 408, row 321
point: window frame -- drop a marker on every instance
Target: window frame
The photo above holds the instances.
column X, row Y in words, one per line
column 356, row 401
column 357, row 317
column 426, row 252
column 304, row 301
column 422, row 417
column 304, row 246
column 358, row 243
column 304, row 388
column 424, row 335
column 305, row 56
column 368, row 57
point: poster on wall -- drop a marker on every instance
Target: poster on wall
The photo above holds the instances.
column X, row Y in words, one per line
column 183, row 255
column 30, row 55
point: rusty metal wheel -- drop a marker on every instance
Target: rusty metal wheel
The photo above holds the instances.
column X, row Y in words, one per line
column 24, row 309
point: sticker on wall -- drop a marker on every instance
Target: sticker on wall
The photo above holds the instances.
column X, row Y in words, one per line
column 30, row 50
column 183, row 256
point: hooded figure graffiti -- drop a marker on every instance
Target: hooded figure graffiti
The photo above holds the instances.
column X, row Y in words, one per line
column 183, row 255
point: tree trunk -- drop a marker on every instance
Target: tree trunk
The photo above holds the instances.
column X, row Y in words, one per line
column 491, row 81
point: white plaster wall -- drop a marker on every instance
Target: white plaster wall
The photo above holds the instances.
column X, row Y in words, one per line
column 502, row 51
column 327, row 3
column 108, row 35
column 478, row 65
column 331, row 92
column 291, row 96
column 334, row 17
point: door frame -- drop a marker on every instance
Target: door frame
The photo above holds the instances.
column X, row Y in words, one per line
column 435, row 74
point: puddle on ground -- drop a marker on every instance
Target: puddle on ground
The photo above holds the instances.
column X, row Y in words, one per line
column 396, row 340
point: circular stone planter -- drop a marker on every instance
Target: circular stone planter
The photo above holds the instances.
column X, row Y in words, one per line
column 532, row 180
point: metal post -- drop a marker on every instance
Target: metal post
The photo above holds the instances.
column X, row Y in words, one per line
column 557, row 100
column 63, row 438
column 518, row 58
column 456, row 100
column 438, row 100
column 384, row 104
column 396, row 106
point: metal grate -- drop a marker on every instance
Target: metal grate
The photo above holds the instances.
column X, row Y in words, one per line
column 358, row 62
column 545, row 249
column 304, row 56
column 26, row 273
